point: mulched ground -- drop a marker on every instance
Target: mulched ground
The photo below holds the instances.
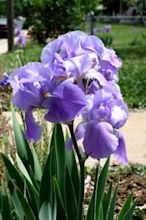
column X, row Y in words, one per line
column 130, row 179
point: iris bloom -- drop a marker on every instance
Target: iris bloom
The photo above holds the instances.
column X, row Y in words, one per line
column 21, row 41
column 4, row 82
column 34, row 88
column 102, row 117
column 72, row 54
column 17, row 31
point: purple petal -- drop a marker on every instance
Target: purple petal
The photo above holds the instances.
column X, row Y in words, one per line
column 110, row 60
column 49, row 50
column 119, row 114
column 17, row 31
column 65, row 103
column 4, row 82
column 33, row 131
column 17, row 101
column 100, row 140
column 30, row 73
column 93, row 43
column 120, row 152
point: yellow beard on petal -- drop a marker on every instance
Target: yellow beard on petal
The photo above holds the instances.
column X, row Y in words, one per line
column 46, row 94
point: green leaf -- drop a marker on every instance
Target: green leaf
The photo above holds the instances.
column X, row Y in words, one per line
column 71, row 200
column 37, row 167
column 28, row 213
column 61, row 209
column 4, row 206
column 22, row 168
column 129, row 213
column 99, row 193
column 112, row 205
column 106, row 201
column 16, row 203
column 125, row 207
column 89, row 215
column 92, row 205
column 73, row 170
column 36, row 184
column 32, row 196
column 13, row 173
column 31, row 184
column 47, row 201
column 101, row 214
column 22, row 145
column 60, row 157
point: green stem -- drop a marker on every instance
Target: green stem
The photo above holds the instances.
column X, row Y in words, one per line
column 82, row 172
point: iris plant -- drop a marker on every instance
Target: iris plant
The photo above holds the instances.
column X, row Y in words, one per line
column 77, row 76
column 21, row 41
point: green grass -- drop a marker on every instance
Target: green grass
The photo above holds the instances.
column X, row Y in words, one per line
column 133, row 72
column 11, row 61
column 123, row 35
column 133, row 76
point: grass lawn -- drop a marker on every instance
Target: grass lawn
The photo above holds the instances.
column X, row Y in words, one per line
column 132, row 74
column 124, row 35
column 10, row 61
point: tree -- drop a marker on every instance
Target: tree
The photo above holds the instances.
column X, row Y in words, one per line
column 54, row 17
column 115, row 6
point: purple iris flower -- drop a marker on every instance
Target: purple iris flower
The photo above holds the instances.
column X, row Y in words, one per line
column 4, row 82
column 77, row 76
column 101, row 140
column 34, row 88
column 102, row 117
column 110, row 64
column 21, row 41
column 80, row 56
column 106, row 28
column 72, row 54
column 64, row 103
column 17, row 31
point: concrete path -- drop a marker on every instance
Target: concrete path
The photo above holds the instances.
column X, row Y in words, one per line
column 3, row 46
column 135, row 136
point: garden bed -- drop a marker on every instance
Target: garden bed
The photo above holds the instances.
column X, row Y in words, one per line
column 131, row 179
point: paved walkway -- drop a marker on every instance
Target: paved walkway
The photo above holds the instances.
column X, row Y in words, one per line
column 135, row 135
column 3, row 46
